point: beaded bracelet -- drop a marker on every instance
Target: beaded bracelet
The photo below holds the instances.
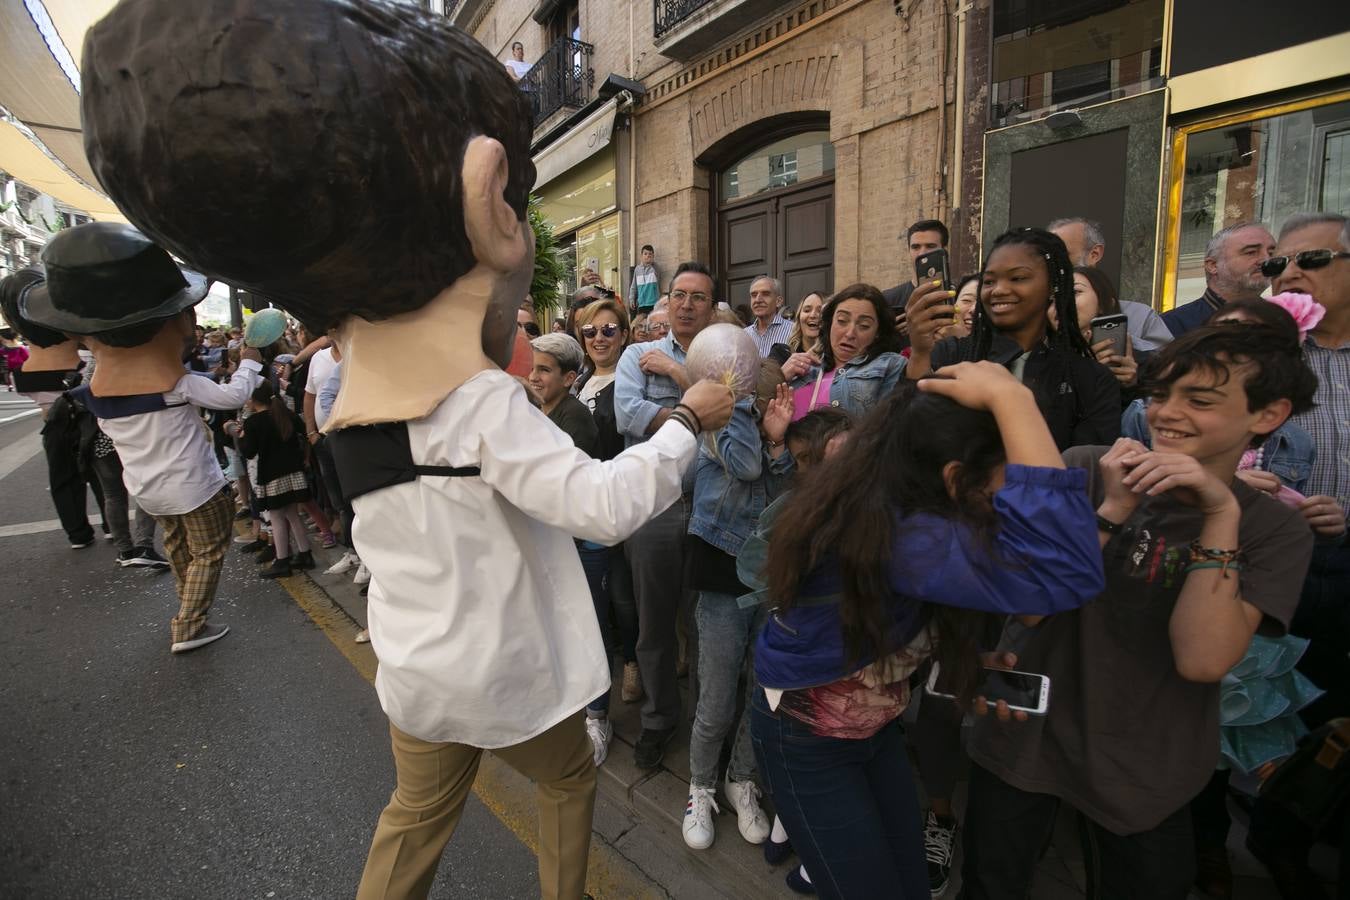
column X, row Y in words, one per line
column 1214, row 558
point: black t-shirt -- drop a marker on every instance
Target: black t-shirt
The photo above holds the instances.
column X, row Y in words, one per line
column 572, row 416
column 1128, row 741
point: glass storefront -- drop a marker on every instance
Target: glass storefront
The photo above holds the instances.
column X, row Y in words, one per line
column 1258, row 167
column 580, row 205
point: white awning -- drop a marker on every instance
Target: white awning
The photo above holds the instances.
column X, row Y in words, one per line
column 40, row 45
column 585, row 139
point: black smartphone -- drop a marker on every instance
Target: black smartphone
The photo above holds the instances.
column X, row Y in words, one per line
column 1113, row 327
column 933, row 267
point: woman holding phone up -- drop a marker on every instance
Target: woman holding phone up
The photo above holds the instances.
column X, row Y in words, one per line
column 1026, row 274
column 871, row 569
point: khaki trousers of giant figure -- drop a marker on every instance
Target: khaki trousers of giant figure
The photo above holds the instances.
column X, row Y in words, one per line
column 434, row 782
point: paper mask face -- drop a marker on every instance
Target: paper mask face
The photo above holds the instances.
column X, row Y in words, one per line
column 727, row 355
column 309, row 151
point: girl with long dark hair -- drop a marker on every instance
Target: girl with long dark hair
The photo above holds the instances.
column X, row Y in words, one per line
column 873, row 568
column 1026, row 273
column 274, row 435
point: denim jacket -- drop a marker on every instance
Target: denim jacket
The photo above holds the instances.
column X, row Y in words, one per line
column 859, row 385
column 1287, row 452
column 730, row 492
column 639, row 396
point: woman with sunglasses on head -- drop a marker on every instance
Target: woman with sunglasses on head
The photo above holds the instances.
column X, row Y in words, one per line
column 860, row 361
column 603, row 330
column 1026, row 273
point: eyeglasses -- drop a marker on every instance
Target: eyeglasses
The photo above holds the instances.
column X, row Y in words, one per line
column 681, row 296
column 657, row 326
column 530, row 328
column 1307, row 260
column 608, row 330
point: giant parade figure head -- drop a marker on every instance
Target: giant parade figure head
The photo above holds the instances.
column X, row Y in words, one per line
column 364, row 164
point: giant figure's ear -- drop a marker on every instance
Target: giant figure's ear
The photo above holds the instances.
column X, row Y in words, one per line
column 494, row 229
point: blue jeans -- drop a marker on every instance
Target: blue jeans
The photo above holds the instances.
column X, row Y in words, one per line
column 725, row 631
column 850, row 806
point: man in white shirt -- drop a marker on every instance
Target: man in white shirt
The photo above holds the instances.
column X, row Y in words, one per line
column 517, row 65
column 126, row 299
column 467, row 498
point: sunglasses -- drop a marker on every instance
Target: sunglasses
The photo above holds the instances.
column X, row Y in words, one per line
column 1307, row 260
column 530, row 329
column 590, row 331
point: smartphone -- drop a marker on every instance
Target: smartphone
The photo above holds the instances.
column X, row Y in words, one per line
column 1113, row 327
column 933, row 267
column 1027, row 691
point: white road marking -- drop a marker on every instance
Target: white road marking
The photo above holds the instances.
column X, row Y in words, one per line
column 23, row 415
column 19, row 452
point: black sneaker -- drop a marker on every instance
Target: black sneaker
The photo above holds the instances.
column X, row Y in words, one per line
column 939, row 842
column 303, row 560
column 651, row 747
column 208, row 634
column 142, row 556
column 253, row 546
column 280, row 568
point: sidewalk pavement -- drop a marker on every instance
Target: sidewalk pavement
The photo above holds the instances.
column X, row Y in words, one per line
column 657, row 799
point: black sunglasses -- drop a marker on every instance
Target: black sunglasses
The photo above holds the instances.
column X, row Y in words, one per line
column 531, row 329
column 1308, row 260
column 608, row 330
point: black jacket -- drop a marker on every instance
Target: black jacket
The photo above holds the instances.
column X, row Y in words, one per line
column 1079, row 397
column 609, row 442
column 276, row 457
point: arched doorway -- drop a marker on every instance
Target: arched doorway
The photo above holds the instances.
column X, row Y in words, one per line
column 774, row 212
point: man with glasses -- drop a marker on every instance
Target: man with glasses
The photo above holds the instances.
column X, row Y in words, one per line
column 1313, row 257
column 1233, row 261
column 658, row 320
column 651, row 379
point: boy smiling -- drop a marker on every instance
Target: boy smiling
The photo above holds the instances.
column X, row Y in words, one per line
column 1196, row 561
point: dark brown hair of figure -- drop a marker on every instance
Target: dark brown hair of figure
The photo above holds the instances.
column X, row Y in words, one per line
column 306, row 150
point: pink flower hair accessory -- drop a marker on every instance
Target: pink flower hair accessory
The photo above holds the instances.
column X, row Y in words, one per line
column 1306, row 311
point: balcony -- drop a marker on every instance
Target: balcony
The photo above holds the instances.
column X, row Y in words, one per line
column 683, row 29
column 562, row 80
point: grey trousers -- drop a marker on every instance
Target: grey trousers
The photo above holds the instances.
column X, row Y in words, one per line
column 656, row 558
column 116, row 504
column 725, row 633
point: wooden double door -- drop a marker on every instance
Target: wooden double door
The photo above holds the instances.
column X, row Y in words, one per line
column 788, row 234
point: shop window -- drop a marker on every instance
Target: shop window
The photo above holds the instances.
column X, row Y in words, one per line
column 1262, row 167
column 777, row 165
column 1065, row 53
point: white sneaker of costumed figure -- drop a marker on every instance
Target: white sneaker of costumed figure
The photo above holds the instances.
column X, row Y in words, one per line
column 750, row 817
column 600, row 731
column 344, row 564
column 699, row 830
column 362, row 575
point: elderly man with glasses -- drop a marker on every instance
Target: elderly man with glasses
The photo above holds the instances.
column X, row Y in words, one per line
column 651, row 379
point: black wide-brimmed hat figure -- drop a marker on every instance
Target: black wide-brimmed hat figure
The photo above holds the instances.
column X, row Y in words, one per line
column 105, row 276
column 306, row 150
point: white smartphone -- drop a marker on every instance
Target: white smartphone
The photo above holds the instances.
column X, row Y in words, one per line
column 1027, row 691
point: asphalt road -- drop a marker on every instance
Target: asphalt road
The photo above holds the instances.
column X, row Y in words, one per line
column 255, row 767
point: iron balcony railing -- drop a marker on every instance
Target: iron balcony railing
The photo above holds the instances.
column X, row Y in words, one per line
column 670, row 13
column 562, row 78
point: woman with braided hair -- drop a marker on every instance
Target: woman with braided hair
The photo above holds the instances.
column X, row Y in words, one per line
column 1026, row 274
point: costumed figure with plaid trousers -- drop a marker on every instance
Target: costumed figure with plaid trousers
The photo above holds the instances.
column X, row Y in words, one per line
column 126, row 300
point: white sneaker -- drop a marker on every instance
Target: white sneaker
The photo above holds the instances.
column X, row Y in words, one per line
column 344, row 564
column 698, row 818
column 362, row 575
column 599, row 730
column 750, row 818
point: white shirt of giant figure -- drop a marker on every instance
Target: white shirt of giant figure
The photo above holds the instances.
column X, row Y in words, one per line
column 479, row 609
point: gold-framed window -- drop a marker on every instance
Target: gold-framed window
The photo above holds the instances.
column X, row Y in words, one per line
column 1262, row 165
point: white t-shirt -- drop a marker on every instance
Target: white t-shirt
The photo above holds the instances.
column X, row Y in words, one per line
column 594, row 385
column 321, row 366
column 479, row 611
column 519, row 67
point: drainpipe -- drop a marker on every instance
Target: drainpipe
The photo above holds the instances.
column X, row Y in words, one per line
column 954, row 199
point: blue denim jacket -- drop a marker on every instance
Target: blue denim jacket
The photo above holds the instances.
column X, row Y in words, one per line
column 730, row 492
column 1287, row 452
column 860, row 385
column 638, row 396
